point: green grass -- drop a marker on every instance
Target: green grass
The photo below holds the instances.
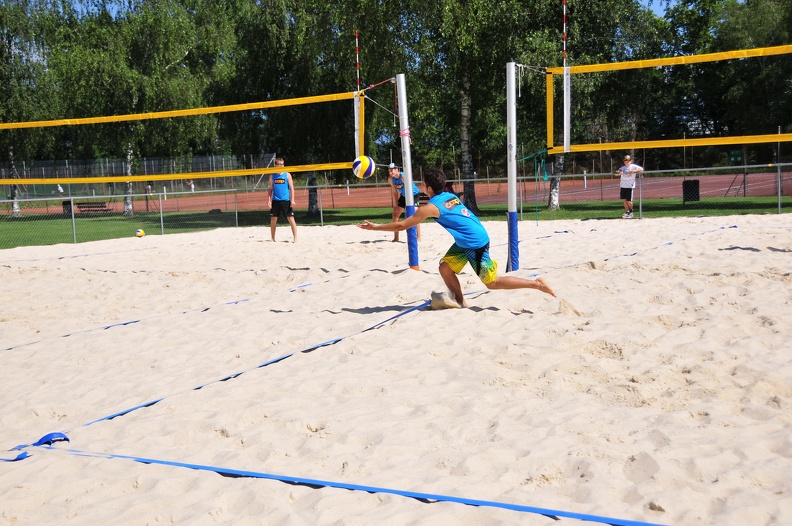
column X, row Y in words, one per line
column 55, row 228
column 660, row 208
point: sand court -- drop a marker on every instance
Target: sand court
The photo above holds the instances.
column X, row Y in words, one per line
column 657, row 388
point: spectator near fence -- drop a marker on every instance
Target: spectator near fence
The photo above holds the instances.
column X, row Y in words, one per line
column 627, row 185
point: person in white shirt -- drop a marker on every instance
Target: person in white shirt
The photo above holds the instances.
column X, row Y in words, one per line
column 627, row 185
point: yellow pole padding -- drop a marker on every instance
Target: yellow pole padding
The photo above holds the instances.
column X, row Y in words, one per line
column 672, row 61
column 180, row 113
column 171, row 177
column 673, row 143
column 361, row 123
column 549, row 83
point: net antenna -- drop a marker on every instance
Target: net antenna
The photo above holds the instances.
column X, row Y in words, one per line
column 567, row 88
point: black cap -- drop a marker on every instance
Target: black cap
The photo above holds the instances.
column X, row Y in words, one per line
column 392, row 165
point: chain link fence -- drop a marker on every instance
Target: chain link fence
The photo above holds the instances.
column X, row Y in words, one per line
column 83, row 213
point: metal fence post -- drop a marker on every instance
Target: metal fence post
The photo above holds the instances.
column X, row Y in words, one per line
column 778, row 176
column 74, row 224
column 236, row 209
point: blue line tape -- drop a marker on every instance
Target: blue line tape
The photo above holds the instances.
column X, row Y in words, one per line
column 434, row 497
column 47, row 439
column 121, row 324
column 125, row 411
column 21, row 456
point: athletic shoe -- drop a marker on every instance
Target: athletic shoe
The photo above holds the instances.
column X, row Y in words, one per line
column 628, row 215
column 625, row 215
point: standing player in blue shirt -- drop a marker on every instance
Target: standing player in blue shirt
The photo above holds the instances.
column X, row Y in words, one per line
column 396, row 180
column 281, row 200
column 471, row 241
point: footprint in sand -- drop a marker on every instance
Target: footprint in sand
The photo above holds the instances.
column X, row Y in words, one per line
column 443, row 300
column 565, row 307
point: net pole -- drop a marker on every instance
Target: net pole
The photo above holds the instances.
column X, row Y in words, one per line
column 513, row 262
column 357, row 59
column 356, row 109
column 358, row 102
column 409, row 201
column 567, row 87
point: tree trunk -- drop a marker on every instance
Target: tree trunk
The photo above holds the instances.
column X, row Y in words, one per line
column 553, row 202
column 469, row 186
column 15, row 211
column 313, row 194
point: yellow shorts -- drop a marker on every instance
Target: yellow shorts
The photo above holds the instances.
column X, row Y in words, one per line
column 484, row 267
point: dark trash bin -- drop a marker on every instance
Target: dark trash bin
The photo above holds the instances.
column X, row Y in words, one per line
column 67, row 208
column 690, row 190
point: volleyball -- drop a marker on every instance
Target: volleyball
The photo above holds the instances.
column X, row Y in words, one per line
column 363, row 167
column 139, row 232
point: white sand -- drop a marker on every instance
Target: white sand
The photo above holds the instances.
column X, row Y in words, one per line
column 658, row 388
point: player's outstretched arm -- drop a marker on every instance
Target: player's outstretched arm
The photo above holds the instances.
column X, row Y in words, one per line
column 422, row 213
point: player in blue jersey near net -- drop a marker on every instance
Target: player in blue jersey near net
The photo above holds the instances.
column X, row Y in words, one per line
column 281, row 199
column 396, row 181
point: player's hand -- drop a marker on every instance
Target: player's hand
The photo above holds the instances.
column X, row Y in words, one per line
column 367, row 225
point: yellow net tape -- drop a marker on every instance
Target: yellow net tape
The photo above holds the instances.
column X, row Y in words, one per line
column 709, row 141
column 179, row 113
column 186, row 175
column 673, row 61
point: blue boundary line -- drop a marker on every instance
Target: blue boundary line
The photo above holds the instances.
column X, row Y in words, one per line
column 47, row 441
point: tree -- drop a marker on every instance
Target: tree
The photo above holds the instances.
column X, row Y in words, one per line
column 23, row 77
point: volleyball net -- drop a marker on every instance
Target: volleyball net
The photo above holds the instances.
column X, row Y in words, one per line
column 553, row 149
column 357, row 97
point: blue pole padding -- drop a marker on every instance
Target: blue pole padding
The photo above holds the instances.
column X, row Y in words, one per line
column 514, row 242
column 412, row 240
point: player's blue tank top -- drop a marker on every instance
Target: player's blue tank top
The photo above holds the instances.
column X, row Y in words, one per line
column 398, row 182
column 280, row 187
column 460, row 222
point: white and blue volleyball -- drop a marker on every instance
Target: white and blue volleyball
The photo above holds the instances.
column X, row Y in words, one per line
column 363, row 167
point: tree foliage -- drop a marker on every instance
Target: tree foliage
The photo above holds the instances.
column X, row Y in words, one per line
column 69, row 59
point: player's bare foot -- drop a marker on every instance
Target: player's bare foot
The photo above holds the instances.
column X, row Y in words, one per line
column 544, row 287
